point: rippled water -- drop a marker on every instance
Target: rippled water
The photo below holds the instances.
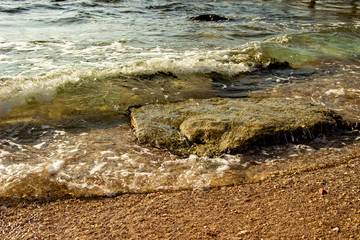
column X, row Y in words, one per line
column 71, row 70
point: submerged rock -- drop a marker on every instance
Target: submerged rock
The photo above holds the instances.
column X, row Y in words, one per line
column 209, row 18
column 215, row 126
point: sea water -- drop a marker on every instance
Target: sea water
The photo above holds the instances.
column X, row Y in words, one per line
column 72, row 70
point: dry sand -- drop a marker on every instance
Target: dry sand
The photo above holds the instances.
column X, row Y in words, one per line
column 318, row 204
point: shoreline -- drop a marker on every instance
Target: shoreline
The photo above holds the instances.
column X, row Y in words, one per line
column 314, row 203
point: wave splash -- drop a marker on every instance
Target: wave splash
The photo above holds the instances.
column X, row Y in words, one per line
column 61, row 163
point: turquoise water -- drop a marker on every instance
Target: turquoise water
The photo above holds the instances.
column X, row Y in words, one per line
column 74, row 63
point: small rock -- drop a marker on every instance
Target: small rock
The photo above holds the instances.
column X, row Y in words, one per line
column 211, row 234
column 209, row 18
column 274, row 64
column 243, row 232
column 336, row 229
column 322, row 191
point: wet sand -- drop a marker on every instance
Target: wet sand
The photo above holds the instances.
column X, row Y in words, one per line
column 312, row 204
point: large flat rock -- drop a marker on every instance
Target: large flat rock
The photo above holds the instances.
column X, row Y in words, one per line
column 215, row 126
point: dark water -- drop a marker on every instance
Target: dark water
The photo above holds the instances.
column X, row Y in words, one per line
column 71, row 70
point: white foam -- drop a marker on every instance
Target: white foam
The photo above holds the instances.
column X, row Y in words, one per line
column 94, row 173
column 336, row 92
column 356, row 91
column 223, row 168
column 38, row 146
column 3, row 153
column 56, row 167
column 17, row 90
column 97, row 167
column 192, row 62
column 105, row 152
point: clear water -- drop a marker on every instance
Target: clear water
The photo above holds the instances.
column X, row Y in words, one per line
column 71, row 70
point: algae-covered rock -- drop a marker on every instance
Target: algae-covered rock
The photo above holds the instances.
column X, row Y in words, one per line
column 215, row 126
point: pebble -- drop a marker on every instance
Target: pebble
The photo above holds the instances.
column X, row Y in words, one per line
column 243, row 232
column 3, row 208
column 322, row 191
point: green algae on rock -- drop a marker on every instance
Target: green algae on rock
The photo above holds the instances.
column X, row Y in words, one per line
column 211, row 127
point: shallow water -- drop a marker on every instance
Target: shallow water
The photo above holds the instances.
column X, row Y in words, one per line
column 72, row 70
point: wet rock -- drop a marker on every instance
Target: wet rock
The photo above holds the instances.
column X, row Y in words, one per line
column 209, row 18
column 215, row 126
column 274, row 64
column 312, row 3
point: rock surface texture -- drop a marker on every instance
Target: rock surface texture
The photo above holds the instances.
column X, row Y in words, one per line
column 212, row 127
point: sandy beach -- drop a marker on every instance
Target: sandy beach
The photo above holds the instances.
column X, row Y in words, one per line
column 312, row 204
